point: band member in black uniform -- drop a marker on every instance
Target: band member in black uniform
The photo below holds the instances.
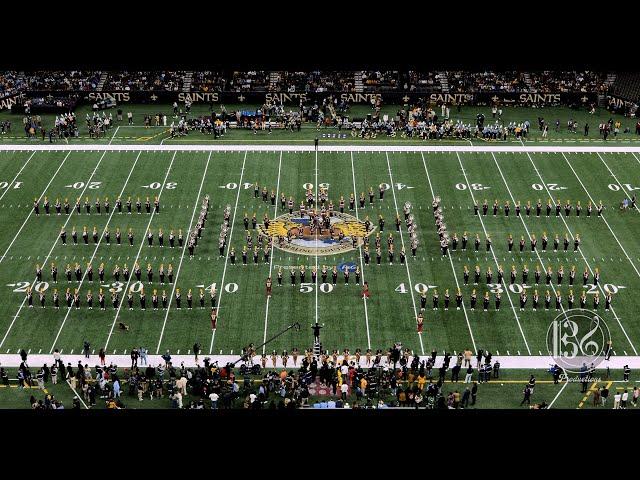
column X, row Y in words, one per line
column 115, row 299
column 191, row 247
column 107, row 236
column 130, row 237
column 46, row 206
column 549, row 274
column 138, row 206
column 292, row 274
column 489, row 276
column 346, row 276
column 465, row 239
column 67, row 272
column 160, row 238
column 147, row 205
column 67, row 207
column 485, row 207
column 150, row 237
column 545, row 241
column 156, row 205
column 473, row 300
column 371, row 195
column 58, row 206
column 596, row 301
column 458, row 299
column 566, row 242
column 116, row 273
column 94, row 235
column 578, row 209
column 78, row 272
column 403, row 256
column 154, row 300
column 558, row 300
column 583, row 299
column 599, row 208
column 523, row 300
column 334, row 275
column 476, row 278
column 558, row 207
column 465, row 273
column 547, row 300
column 125, row 273
column 570, row 299
column 510, row 243
column 495, row 208
column 607, row 302
column 101, row 272
column 488, row 243
column 381, row 192
column 521, row 244
column 560, row 275
column 63, row 236
column 576, row 243
column 596, row 276
column 189, row 300
column 525, row 274
column 500, row 274
column 201, row 297
column 512, row 275
column 90, row 300
column 149, row 273
column 38, row 273
column 507, row 208
column 535, row 300
column 378, row 256
column 101, row 299
column 475, row 208
column 255, row 255
column 97, row 204
column 164, row 300
column 29, row 297
column 76, row 299
column 143, row 300
column 362, row 199
column 485, row 301
column 435, row 299
column 178, row 298
column 476, row 242
column 498, row 300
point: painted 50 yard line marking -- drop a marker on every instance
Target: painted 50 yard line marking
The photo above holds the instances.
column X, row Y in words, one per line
column 275, row 214
column 53, row 246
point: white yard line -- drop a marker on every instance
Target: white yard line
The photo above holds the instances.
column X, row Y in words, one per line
column 87, row 183
column 504, row 281
column 17, row 175
column 273, row 241
column 579, row 249
column 226, row 257
column 125, row 290
column 604, row 219
column 455, row 276
column 114, row 135
column 198, row 203
column 31, row 210
column 317, row 194
column 95, row 250
column 364, row 300
column 511, row 148
column 616, row 178
column 558, row 395
column 406, row 263
column 76, row 394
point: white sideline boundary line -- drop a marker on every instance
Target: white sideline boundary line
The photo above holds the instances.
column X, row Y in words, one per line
column 604, row 294
column 226, row 257
column 198, row 203
column 95, row 250
column 364, row 300
column 125, row 290
column 504, row 281
column 31, row 210
column 523, row 362
column 321, row 148
column 55, row 242
column 455, row 275
column 406, row 263
column 275, row 214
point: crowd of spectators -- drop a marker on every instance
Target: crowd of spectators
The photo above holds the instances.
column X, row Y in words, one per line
column 76, row 80
column 315, row 81
column 144, row 81
column 10, row 83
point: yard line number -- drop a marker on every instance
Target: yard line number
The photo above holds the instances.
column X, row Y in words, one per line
column 4, row 185
column 80, row 185
column 551, row 186
column 612, row 186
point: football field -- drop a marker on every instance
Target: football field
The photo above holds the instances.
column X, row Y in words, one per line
column 182, row 175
